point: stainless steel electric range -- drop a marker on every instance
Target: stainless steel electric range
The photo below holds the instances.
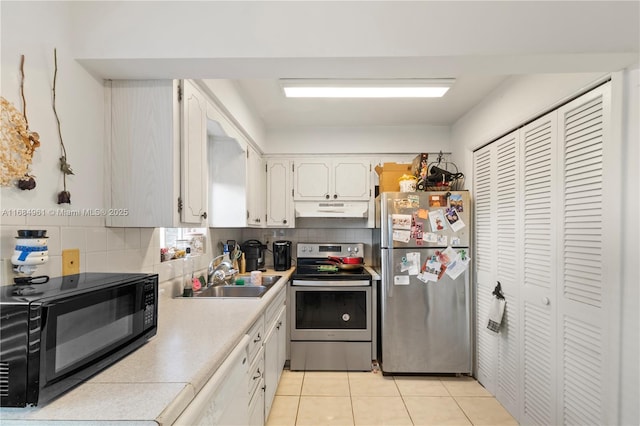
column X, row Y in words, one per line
column 331, row 321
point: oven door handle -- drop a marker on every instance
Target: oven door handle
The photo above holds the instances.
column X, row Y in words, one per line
column 328, row 283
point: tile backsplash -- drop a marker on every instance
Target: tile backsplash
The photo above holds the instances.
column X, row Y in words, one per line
column 105, row 249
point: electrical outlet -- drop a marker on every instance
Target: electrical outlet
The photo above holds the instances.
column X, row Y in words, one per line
column 266, row 239
column 70, row 262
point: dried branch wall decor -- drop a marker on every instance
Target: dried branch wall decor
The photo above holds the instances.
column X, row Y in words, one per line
column 18, row 142
column 64, row 196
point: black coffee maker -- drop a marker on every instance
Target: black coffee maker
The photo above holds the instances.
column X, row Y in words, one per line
column 254, row 254
column 281, row 255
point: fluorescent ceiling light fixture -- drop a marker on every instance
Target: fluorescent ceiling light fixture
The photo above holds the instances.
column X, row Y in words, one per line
column 390, row 88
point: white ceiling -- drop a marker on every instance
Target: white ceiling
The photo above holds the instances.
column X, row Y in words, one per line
column 266, row 98
column 480, row 43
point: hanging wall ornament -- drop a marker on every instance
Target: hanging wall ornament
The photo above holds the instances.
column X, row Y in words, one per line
column 18, row 142
column 64, row 196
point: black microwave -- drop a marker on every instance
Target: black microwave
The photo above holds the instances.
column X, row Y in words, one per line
column 56, row 335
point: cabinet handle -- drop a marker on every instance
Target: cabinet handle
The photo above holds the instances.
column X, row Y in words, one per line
column 326, row 196
column 257, row 376
column 279, row 325
column 204, row 215
column 284, row 221
column 257, row 339
column 546, row 301
column 335, row 196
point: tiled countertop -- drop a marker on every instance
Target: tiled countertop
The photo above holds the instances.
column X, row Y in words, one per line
column 157, row 381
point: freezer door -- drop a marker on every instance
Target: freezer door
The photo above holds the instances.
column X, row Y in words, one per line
column 401, row 211
column 425, row 328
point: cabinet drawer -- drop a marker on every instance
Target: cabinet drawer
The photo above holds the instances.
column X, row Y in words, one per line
column 274, row 308
column 256, row 373
column 256, row 335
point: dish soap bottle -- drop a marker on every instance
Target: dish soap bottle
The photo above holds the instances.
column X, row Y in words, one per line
column 225, row 253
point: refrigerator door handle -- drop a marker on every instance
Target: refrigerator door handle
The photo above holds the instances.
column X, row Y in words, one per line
column 387, row 269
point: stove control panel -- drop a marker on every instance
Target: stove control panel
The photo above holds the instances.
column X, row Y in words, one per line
column 330, row 249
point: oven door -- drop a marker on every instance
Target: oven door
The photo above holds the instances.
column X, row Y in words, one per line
column 331, row 313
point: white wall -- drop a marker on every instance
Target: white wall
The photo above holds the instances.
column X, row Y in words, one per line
column 34, row 32
column 356, row 140
column 515, row 102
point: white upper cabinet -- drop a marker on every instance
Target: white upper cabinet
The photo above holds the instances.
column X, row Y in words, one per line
column 256, row 189
column 151, row 128
column 279, row 200
column 329, row 179
column 194, row 155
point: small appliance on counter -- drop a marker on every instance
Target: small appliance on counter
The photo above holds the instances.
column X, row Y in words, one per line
column 57, row 334
column 254, row 255
column 281, row 255
column 30, row 252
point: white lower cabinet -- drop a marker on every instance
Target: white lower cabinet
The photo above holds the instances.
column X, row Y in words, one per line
column 274, row 358
column 223, row 400
column 256, row 408
column 271, row 358
column 242, row 390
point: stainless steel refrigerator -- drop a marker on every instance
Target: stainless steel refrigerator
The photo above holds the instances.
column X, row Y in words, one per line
column 424, row 325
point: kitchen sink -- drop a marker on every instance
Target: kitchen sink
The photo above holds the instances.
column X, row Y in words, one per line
column 239, row 290
column 233, row 291
column 267, row 280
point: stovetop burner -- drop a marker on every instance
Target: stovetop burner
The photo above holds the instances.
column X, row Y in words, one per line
column 313, row 262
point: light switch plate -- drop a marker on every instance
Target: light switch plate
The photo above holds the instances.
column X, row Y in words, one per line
column 70, row 262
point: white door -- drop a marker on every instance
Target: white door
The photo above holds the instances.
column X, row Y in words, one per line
column 194, row 176
column 507, row 195
column 539, row 179
column 588, row 274
column 484, row 183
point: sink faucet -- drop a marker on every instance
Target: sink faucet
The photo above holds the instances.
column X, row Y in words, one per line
column 223, row 272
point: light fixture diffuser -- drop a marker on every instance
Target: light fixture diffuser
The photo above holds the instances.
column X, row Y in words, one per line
column 390, row 88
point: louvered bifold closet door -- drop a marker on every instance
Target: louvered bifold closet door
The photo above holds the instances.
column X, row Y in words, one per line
column 484, row 181
column 539, row 180
column 507, row 268
column 586, row 280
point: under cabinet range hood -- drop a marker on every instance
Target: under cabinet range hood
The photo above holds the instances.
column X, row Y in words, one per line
column 332, row 209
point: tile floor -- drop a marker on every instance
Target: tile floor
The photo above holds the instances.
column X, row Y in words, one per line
column 369, row 398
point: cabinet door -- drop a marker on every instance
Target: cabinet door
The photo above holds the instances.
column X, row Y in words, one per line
column 223, row 400
column 281, row 326
column 352, row 180
column 194, row 177
column 257, row 186
column 256, row 407
column 312, row 180
column 279, row 206
column 142, row 137
column 271, row 368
